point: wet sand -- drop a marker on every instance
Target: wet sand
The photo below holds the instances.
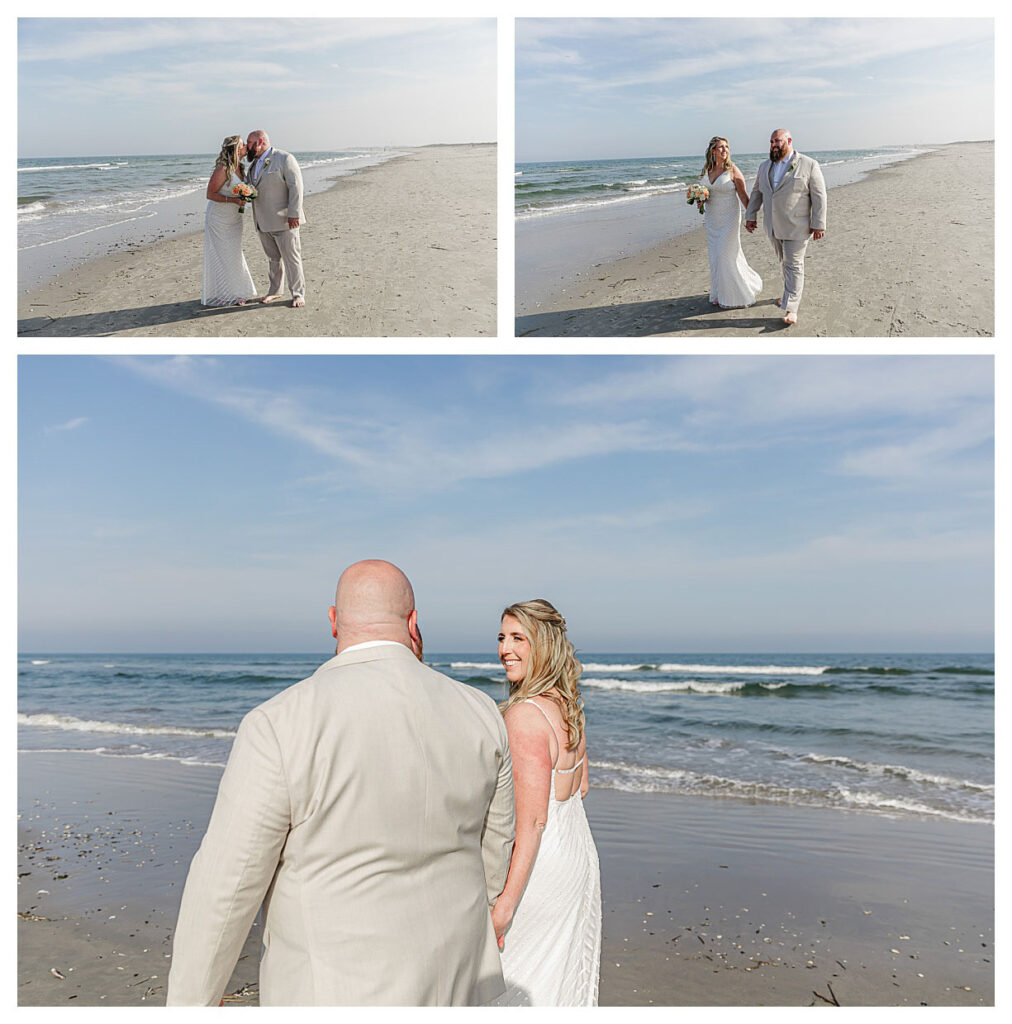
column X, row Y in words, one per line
column 902, row 257
column 706, row 902
column 403, row 249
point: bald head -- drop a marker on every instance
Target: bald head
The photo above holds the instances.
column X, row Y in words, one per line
column 374, row 601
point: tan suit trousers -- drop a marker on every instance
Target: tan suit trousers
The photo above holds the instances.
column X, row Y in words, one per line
column 791, row 253
column 284, row 259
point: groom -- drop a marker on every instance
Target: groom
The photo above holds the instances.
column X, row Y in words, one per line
column 370, row 808
column 790, row 189
column 277, row 213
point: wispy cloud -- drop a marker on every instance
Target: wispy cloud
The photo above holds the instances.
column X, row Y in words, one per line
column 74, row 424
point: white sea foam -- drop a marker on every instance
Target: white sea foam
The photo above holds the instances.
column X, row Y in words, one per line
column 29, row 212
column 88, row 231
column 72, row 167
column 72, row 724
column 593, row 666
column 645, row 779
column 577, row 205
column 900, row 770
column 748, row 670
column 34, row 662
column 724, row 670
column 679, row 686
column 485, row 666
column 106, row 752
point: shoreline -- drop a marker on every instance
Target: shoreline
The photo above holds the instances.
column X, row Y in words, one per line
column 707, row 902
column 403, row 248
column 885, row 268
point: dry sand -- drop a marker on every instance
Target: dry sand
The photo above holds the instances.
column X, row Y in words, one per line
column 909, row 252
column 706, row 902
column 403, row 249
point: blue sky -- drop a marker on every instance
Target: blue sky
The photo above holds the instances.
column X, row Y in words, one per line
column 613, row 87
column 97, row 86
column 665, row 504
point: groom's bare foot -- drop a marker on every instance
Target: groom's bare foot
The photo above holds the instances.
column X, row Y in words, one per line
column 791, row 319
column 298, row 301
column 270, row 298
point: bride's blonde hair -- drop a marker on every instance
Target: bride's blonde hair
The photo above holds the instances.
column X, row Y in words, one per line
column 711, row 160
column 553, row 664
column 228, row 157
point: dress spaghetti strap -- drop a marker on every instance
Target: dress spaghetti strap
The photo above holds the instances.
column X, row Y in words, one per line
column 561, row 771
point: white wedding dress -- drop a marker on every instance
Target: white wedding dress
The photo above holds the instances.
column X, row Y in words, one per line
column 732, row 281
column 552, row 951
column 226, row 275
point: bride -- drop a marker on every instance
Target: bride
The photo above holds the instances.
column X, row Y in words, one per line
column 732, row 281
column 548, row 918
column 227, row 279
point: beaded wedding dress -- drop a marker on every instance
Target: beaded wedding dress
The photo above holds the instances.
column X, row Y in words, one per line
column 226, row 275
column 732, row 281
column 552, row 949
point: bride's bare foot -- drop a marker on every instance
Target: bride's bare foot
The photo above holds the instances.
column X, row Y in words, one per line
column 791, row 319
column 270, row 298
column 240, row 302
column 298, row 301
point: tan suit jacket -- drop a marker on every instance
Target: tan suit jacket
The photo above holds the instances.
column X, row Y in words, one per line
column 372, row 804
column 797, row 206
column 279, row 192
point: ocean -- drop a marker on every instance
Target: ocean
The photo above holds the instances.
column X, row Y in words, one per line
column 902, row 735
column 71, row 209
column 571, row 214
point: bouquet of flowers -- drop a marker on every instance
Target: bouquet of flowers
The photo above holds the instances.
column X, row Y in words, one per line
column 245, row 193
column 698, row 194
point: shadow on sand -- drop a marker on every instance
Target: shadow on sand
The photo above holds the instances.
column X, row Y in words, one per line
column 639, row 319
column 115, row 321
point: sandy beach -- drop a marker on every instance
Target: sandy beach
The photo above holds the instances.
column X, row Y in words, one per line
column 902, row 257
column 403, row 249
column 706, row 902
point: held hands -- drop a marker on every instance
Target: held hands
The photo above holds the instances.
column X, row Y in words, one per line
column 816, row 233
column 293, row 222
column 750, row 226
column 501, row 918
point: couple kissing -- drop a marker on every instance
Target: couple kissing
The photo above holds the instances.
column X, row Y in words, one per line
column 272, row 185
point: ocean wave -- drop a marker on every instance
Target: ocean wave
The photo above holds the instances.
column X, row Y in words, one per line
column 73, row 167
column 679, row 686
column 643, row 779
column 481, row 666
column 34, row 662
column 737, row 687
column 578, row 205
column 107, row 752
column 898, row 771
column 72, row 724
column 723, row 670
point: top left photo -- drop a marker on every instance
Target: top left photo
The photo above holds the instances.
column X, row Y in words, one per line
column 233, row 178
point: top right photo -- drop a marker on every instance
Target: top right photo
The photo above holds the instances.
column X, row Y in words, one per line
column 749, row 177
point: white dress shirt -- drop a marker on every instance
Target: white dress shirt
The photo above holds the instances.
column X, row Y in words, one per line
column 780, row 168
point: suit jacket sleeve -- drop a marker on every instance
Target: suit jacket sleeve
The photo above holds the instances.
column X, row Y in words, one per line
column 293, row 179
column 755, row 199
column 817, row 190
column 233, row 868
column 500, row 826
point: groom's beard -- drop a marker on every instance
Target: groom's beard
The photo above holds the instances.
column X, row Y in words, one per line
column 776, row 153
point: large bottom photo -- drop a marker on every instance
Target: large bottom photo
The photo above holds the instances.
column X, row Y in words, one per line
column 493, row 680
